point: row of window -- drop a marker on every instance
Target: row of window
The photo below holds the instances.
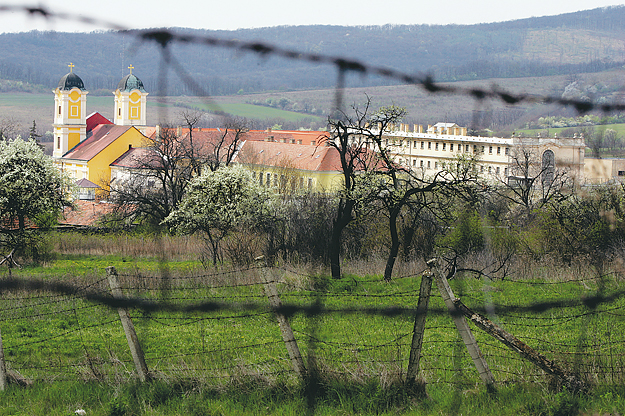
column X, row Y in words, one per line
column 428, row 165
column 459, row 147
column 271, row 179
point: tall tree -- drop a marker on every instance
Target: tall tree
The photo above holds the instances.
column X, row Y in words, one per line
column 359, row 161
column 31, row 190
column 217, row 203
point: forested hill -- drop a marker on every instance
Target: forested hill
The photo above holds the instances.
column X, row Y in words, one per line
column 585, row 41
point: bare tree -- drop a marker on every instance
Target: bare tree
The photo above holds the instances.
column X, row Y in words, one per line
column 357, row 158
column 9, row 128
column 221, row 149
column 158, row 175
column 533, row 181
column 156, row 179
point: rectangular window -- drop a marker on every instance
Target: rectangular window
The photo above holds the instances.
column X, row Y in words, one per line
column 422, row 145
column 444, row 146
column 466, row 148
column 498, row 150
column 482, row 149
column 429, row 145
column 59, row 110
column 268, row 183
column 436, row 147
column 421, row 163
column 621, row 173
column 475, row 148
column 490, row 150
column 497, row 170
column 505, row 171
column 435, row 165
column 414, row 162
column 507, row 151
column 429, row 164
column 260, row 178
column 451, row 147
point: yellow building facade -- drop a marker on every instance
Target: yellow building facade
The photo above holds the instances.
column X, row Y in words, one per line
column 87, row 152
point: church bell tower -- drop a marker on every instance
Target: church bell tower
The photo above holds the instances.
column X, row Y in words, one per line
column 130, row 102
column 70, row 108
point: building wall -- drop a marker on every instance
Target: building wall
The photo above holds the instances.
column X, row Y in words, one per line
column 429, row 152
column 99, row 165
column 597, row 171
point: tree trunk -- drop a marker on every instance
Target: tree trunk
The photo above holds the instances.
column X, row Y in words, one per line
column 392, row 256
column 343, row 218
column 335, row 251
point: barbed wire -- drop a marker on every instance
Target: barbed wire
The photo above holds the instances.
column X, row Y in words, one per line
column 62, row 291
column 166, row 37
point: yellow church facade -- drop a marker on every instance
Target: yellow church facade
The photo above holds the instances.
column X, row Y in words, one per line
column 86, row 146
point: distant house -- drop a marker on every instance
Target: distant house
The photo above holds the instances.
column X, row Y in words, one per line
column 289, row 167
column 86, row 189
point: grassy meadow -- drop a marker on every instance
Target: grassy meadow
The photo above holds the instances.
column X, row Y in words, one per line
column 227, row 357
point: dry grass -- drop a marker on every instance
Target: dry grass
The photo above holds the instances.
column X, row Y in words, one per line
column 165, row 246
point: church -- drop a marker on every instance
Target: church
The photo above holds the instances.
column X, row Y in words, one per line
column 85, row 146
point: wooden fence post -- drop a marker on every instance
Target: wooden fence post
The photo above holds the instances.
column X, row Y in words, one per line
column 3, row 368
column 572, row 382
column 287, row 333
column 463, row 327
column 129, row 328
column 419, row 330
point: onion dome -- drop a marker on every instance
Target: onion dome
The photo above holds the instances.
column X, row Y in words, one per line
column 130, row 82
column 70, row 81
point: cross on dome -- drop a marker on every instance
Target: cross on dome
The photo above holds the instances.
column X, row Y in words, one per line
column 71, row 67
column 131, row 68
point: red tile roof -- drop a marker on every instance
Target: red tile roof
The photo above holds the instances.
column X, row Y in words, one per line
column 86, row 183
column 86, row 213
column 103, row 135
column 134, row 158
column 94, row 120
column 283, row 136
column 296, row 156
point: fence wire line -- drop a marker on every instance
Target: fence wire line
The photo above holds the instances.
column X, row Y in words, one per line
column 591, row 302
column 165, row 38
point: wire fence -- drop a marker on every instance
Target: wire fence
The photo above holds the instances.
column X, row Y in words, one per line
column 220, row 326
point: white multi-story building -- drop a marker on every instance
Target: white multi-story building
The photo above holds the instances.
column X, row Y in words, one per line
column 430, row 149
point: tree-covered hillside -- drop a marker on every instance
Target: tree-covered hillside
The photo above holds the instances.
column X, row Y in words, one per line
column 585, row 41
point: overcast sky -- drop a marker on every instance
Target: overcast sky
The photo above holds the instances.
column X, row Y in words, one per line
column 234, row 14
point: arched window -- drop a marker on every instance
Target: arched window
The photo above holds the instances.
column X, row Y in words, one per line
column 548, row 167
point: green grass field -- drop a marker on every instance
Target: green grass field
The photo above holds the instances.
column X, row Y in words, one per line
column 228, row 357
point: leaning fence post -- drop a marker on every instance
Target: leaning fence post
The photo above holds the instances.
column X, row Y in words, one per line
column 419, row 328
column 463, row 327
column 570, row 380
column 129, row 328
column 287, row 333
column 3, row 367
